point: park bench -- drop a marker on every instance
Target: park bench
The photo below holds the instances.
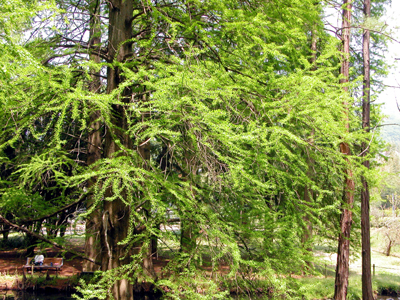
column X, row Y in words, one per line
column 49, row 263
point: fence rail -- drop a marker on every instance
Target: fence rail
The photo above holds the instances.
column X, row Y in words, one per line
column 374, row 267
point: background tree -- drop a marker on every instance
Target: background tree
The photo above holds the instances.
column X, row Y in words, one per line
column 343, row 255
column 365, row 194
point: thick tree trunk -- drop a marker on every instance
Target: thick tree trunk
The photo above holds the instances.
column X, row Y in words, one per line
column 342, row 266
column 93, row 221
column 32, row 239
column 154, row 244
column 365, row 224
column 308, row 230
column 116, row 213
column 343, row 255
column 115, row 228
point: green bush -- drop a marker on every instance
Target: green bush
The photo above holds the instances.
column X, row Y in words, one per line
column 13, row 242
column 387, row 284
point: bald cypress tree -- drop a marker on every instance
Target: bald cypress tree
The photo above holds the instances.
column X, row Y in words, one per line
column 365, row 194
column 211, row 110
column 343, row 255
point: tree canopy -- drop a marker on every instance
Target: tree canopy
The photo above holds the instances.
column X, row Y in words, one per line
column 228, row 114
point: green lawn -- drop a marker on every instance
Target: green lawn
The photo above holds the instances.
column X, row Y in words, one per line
column 386, row 278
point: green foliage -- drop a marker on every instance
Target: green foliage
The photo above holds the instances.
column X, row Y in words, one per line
column 40, row 280
column 237, row 120
column 388, row 284
column 13, row 242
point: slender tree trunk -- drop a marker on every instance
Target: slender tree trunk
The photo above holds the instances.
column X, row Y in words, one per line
column 389, row 248
column 147, row 248
column 188, row 236
column 189, row 229
column 365, row 225
column 6, row 232
column 342, row 266
column 93, row 221
column 308, row 192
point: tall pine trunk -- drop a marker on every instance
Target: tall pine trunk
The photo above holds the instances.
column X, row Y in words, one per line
column 342, row 265
column 365, row 225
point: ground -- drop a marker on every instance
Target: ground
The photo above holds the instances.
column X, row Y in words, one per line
column 11, row 263
column 386, row 279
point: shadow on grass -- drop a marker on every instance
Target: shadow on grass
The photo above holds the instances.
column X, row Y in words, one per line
column 323, row 288
column 387, row 284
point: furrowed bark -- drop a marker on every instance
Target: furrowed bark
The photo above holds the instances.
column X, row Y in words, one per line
column 365, row 195
column 342, row 265
column 93, row 221
column 115, row 219
column 147, row 248
column 308, row 192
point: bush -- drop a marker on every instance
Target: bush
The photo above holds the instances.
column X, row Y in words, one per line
column 387, row 284
column 388, row 290
column 13, row 242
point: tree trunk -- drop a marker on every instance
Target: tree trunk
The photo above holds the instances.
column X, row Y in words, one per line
column 189, row 228
column 188, row 236
column 147, row 248
column 308, row 193
column 31, row 240
column 6, row 232
column 365, row 224
column 342, row 266
column 154, row 243
column 93, row 221
column 389, row 248
column 116, row 215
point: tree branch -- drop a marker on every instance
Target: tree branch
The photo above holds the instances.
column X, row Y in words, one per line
column 39, row 237
column 81, row 199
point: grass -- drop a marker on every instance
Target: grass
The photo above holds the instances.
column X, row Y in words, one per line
column 385, row 282
column 36, row 280
column 323, row 288
column 7, row 279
